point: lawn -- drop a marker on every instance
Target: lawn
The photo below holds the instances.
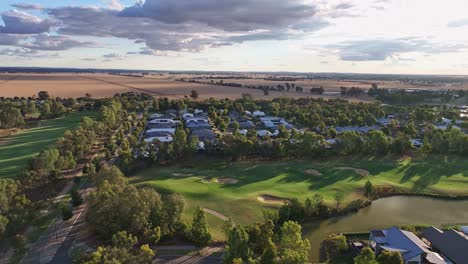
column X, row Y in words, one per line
column 287, row 179
column 17, row 149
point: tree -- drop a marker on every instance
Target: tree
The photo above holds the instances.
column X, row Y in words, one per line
column 293, row 249
column 228, row 225
column 339, row 197
column 67, row 212
column 180, row 141
column 390, row 257
column 194, row 94
column 334, row 244
column 237, row 245
column 369, row 189
column 365, row 257
column 269, row 254
column 43, row 95
column 199, row 232
column 76, row 199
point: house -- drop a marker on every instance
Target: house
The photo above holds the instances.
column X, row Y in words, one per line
column 264, row 133
column 204, row 134
column 417, row 143
column 233, row 115
column 243, row 132
column 198, row 111
column 246, row 124
column 464, row 229
column 161, row 139
column 248, row 113
column 452, row 244
column 412, row 249
column 170, row 131
column 156, row 115
column 162, row 121
column 187, row 116
column 258, row 114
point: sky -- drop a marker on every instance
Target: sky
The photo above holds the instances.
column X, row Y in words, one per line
column 361, row 36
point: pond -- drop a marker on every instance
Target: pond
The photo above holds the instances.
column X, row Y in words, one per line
column 387, row 212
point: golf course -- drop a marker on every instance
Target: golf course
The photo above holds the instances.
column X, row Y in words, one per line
column 17, row 149
column 243, row 190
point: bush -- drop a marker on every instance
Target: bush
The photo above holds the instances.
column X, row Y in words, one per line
column 67, row 212
column 77, row 200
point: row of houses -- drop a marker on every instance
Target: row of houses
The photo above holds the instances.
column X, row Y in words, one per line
column 199, row 125
column 161, row 127
column 434, row 247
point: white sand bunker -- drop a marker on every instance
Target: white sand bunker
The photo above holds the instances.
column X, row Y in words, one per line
column 227, row 180
column 217, row 214
column 312, row 172
column 358, row 171
column 270, row 199
column 182, row 174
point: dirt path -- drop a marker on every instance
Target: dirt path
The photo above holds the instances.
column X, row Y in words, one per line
column 214, row 213
column 358, row 171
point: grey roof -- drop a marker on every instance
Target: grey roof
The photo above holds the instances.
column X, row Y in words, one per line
column 407, row 243
column 452, row 244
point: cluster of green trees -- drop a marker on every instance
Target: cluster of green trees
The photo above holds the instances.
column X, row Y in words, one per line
column 265, row 243
column 403, row 97
column 367, row 256
column 140, row 216
column 352, row 91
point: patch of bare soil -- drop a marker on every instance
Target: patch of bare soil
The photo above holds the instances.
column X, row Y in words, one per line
column 227, row 180
column 271, row 199
column 313, row 172
column 182, row 174
column 358, row 171
column 217, row 214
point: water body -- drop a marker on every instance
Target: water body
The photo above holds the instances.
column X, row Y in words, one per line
column 387, row 212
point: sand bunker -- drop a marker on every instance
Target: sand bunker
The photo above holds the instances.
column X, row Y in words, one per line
column 182, row 174
column 227, row 180
column 271, row 199
column 358, row 171
column 214, row 213
column 312, row 172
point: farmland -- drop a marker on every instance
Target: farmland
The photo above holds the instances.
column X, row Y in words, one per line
column 17, row 149
column 205, row 185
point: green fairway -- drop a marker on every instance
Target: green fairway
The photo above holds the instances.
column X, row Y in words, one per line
column 18, row 149
column 287, row 179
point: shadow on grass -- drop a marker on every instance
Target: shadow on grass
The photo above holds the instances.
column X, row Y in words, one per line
column 430, row 171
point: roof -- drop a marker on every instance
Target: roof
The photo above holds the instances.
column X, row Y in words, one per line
column 394, row 239
column 451, row 243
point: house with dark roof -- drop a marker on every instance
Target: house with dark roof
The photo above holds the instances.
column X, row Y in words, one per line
column 452, row 244
column 412, row 248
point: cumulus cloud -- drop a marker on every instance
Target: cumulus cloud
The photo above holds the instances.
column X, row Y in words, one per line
column 188, row 25
column 379, row 50
column 229, row 15
column 26, row 6
column 18, row 22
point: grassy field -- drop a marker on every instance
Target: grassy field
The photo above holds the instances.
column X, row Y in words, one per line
column 17, row 149
column 435, row 174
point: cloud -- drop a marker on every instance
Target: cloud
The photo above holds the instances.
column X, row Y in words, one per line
column 458, row 23
column 17, row 22
column 10, row 39
column 380, row 50
column 185, row 25
column 25, row 6
column 228, row 15
column 114, row 4
column 26, row 53
column 47, row 42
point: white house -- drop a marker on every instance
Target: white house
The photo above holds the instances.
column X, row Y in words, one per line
column 162, row 121
column 248, row 113
column 198, row 111
column 187, row 115
column 156, row 130
column 156, row 115
column 258, row 114
column 243, row 132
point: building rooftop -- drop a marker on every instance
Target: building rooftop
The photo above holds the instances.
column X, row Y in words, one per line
column 451, row 243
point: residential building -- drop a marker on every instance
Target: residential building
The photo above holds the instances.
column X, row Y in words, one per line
column 412, row 249
column 452, row 244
